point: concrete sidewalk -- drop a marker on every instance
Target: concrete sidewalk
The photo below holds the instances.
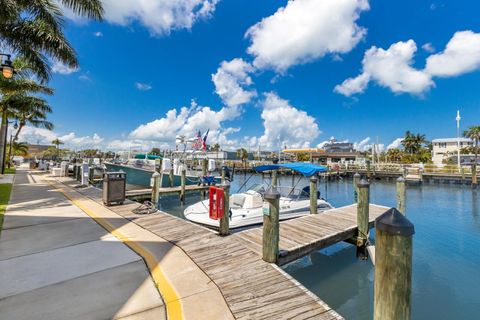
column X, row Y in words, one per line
column 57, row 263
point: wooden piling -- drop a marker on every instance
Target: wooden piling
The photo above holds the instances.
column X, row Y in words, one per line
column 204, row 173
column 171, row 178
column 182, row 185
column 401, row 195
column 462, row 172
column 156, row 188
column 474, row 175
column 313, row 195
column 368, row 169
column 362, row 218
column 356, row 180
column 271, row 236
column 393, row 266
column 223, row 174
column 274, row 178
column 91, row 174
column 224, row 228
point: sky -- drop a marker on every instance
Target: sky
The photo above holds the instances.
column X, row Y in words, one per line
column 267, row 73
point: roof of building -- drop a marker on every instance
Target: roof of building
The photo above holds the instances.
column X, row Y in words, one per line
column 451, row 140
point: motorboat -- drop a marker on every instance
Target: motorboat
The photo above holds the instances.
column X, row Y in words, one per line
column 246, row 208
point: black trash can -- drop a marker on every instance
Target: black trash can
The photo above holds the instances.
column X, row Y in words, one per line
column 114, row 184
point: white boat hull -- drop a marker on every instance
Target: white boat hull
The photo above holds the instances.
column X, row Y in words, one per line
column 241, row 217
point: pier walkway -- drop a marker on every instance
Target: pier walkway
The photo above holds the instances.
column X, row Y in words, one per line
column 64, row 256
column 300, row 236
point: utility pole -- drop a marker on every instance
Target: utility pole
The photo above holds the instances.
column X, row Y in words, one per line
column 458, row 138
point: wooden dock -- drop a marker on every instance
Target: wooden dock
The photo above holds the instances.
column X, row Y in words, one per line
column 301, row 236
column 147, row 193
column 252, row 288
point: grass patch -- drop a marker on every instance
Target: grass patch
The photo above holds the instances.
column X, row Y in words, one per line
column 5, row 190
column 9, row 170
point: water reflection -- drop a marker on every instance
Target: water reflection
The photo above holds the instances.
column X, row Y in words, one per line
column 446, row 255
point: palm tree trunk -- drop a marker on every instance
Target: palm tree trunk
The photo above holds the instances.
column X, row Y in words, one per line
column 3, row 141
column 20, row 127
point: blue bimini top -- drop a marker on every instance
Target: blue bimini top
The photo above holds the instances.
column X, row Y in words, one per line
column 307, row 169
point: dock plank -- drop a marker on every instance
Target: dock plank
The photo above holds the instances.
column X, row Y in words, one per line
column 303, row 235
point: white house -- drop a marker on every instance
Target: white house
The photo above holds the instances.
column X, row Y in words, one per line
column 445, row 148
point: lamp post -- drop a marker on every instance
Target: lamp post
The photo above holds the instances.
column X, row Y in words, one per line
column 458, row 138
column 15, row 126
column 6, row 66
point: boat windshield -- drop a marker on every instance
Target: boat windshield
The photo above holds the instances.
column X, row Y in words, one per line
column 293, row 193
column 257, row 187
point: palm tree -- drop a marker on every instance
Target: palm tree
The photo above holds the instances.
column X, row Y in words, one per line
column 57, row 143
column 242, row 153
column 33, row 112
column 412, row 143
column 474, row 134
column 15, row 94
column 32, row 29
column 19, row 149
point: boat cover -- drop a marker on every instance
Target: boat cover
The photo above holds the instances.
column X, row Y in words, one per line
column 307, row 169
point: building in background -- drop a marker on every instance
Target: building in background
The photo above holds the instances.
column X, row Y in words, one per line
column 445, row 149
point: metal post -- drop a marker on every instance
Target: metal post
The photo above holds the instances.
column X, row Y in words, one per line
column 356, row 180
column 156, row 188
column 393, row 266
column 401, row 195
column 363, row 207
column 313, row 195
column 182, row 185
column 223, row 174
column 271, row 225
column 225, row 221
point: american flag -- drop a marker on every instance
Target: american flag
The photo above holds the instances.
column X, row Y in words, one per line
column 204, row 141
column 198, row 141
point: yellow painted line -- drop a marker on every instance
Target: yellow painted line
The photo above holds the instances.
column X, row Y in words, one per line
column 168, row 292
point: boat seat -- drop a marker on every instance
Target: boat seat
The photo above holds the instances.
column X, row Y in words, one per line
column 237, row 201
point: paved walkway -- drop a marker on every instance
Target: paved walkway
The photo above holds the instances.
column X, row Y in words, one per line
column 59, row 263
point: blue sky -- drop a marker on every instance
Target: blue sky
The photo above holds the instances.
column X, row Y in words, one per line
column 280, row 89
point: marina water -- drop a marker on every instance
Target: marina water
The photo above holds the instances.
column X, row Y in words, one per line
column 446, row 251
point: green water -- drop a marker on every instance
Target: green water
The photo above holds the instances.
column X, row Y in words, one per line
column 446, row 252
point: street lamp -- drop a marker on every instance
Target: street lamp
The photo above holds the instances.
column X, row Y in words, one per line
column 458, row 138
column 15, row 127
column 6, row 66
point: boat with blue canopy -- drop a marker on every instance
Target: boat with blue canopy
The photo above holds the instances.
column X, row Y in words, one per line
column 246, row 207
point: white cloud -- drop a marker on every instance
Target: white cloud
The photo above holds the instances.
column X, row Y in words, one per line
column 285, row 125
column 391, row 68
column 230, row 79
column 352, row 86
column 461, row 55
column 71, row 140
column 84, row 77
column 143, row 86
column 36, row 135
column 428, row 47
column 305, row 30
column 187, row 121
column 98, row 34
column 395, row 144
column 160, row 17
column 60, row 68
column 362, row 145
